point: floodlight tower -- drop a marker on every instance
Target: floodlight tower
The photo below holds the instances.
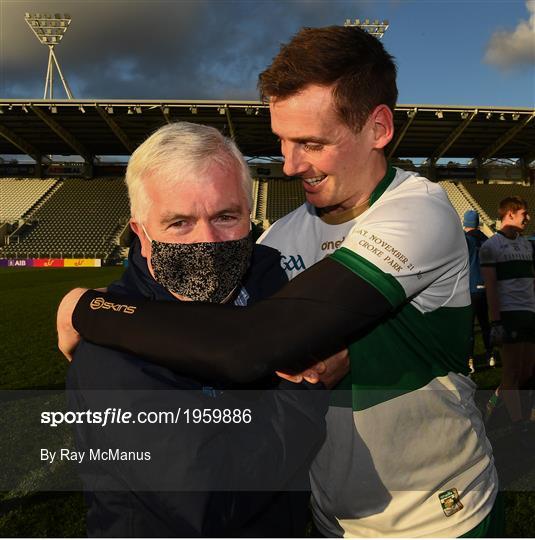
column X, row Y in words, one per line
column 49, row 30
column 375, row 28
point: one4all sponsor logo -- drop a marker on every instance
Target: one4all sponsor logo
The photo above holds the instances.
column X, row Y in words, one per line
column 292, row 263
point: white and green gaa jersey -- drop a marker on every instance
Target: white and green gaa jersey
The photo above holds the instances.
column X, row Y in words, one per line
column 406, row 452
column 513, row 260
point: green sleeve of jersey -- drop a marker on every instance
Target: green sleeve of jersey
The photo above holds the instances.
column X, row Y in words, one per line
column 386, row 284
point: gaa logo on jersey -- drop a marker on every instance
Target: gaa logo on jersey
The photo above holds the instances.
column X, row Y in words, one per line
column 292, row 262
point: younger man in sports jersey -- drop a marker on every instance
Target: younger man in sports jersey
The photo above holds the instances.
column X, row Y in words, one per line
column 386, row 273
column 507, row 267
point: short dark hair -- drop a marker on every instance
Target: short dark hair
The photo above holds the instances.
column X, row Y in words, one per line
column 355, row 62
column 511, row 204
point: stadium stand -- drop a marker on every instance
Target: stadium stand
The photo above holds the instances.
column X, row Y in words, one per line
column 490, row 195
column 261, row 205
column 62, row 216
column 254, row 206
column 284, row 196
column 462, row 201
column 19, row 195
column 74, row 217
column 484, row 216
column 83, row 218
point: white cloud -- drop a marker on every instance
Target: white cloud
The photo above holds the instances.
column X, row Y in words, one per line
column 509, row 49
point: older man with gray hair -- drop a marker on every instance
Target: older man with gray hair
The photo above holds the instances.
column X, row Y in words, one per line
column 190, row 195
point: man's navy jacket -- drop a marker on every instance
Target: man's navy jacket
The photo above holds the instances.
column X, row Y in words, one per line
column 194, row 483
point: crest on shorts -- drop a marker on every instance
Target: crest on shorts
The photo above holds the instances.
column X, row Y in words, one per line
column 450, row 501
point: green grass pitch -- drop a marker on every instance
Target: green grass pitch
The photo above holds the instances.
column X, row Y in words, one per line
column 29, row 359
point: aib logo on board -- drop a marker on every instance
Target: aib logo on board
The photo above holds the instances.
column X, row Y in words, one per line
column 292, row 262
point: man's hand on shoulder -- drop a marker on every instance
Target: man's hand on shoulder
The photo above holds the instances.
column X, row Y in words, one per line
column 329, row 371
column 68, row 337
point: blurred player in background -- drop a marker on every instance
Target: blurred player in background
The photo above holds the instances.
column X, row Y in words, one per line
column 507, row 267
column 474, row 240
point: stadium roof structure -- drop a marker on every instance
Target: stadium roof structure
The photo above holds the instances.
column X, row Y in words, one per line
column 92, row 128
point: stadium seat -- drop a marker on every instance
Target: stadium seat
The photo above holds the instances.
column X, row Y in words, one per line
column 18, row 195
column 284, row 196
column 81, row 218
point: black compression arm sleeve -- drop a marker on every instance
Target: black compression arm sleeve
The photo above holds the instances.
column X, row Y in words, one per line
column 316, row 314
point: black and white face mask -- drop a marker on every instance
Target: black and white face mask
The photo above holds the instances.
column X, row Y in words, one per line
column 202, row 271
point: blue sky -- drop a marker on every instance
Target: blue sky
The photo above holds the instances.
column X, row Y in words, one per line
column 448, row 52
column 441, row 49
